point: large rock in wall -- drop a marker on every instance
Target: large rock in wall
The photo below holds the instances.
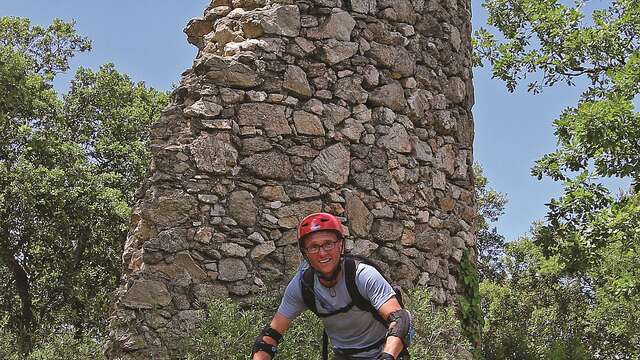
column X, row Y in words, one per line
column 360, row 108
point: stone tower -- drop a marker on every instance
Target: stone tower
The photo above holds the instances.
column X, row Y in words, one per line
column 360, row 108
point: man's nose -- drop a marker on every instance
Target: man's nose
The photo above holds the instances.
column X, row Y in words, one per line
column 321, row 249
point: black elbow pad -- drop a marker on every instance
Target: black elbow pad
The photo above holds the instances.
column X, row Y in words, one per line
column 271, row 332
column 400, row 326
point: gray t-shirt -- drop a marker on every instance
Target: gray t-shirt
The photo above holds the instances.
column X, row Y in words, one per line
column 352, row 329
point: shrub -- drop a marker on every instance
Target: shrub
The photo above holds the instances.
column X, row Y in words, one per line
column 58, row 346
column 438, row 331
column 231, row 330
column 228, row 330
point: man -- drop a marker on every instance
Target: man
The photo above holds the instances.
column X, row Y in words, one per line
column 355, row 333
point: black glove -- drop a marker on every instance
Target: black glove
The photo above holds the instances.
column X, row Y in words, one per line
column 385, row 356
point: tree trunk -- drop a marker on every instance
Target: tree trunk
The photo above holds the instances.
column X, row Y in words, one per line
column 24, row 325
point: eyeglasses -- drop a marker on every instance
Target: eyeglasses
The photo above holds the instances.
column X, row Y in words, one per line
column 326, row 247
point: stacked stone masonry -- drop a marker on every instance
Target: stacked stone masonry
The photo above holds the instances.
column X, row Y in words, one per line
column 360, row 108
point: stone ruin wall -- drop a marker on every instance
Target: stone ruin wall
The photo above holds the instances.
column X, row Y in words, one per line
column 360, row 108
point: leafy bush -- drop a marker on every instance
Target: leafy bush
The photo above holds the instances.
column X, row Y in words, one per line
column 438, row 332
column 231, row 330
column 66, row 347
column 59, row 346
column 228, row 330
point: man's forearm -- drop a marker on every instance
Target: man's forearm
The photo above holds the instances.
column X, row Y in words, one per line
column 393, row 346
column 279, row 324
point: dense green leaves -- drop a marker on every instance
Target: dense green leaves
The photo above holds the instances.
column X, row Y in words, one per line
column 469, row 310
column 109, row 117
column 586, row 255
column 533, row 313
column 539, row 312
column 68, row 170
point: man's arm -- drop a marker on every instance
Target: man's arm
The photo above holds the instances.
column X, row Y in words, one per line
column 280, row 324
column 394, row 344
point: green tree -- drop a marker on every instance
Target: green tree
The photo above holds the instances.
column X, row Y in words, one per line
column 590, row 233
column 534, row 312
column 490, row 204
column 68, row 169
column 110, row 117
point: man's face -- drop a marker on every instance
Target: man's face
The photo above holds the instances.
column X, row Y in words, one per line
column 324, row 261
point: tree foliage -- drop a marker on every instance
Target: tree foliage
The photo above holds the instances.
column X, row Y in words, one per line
column 109, row 117
column 490, row 204
column 534, row 313
column 539, row 312
column 590, row 234
column 68, row 169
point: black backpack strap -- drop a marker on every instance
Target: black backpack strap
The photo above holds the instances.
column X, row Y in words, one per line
column 350, row 272
column 398, row 292
column 307, row 283
column 325, row 345
column 350, row 268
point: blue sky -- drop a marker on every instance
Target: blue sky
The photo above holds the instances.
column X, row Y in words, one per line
column 144, row 39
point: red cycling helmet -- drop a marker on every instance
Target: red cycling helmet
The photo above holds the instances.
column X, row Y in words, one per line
column 318, row 222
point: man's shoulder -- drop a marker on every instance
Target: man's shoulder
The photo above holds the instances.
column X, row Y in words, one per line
column 365, row 266
column 366, row 273
column 295, row 284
